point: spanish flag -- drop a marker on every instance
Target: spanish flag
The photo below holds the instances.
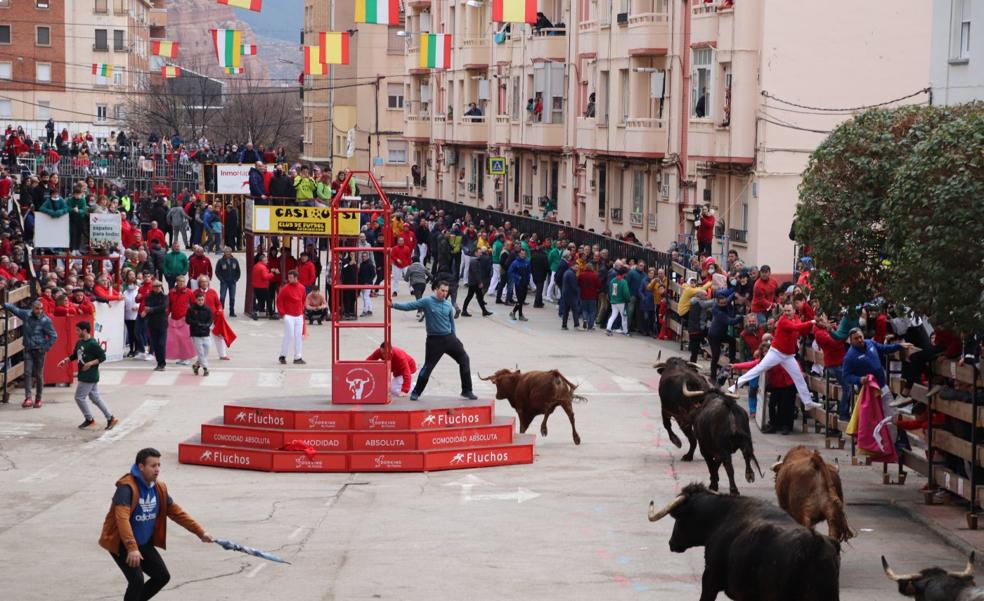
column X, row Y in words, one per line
column 164, row 48
column 312, row 61
column 514, row 11
column 334, row 47
column 170, row 71
column 256, row 5
column 382, row 12
column 102, row 70
column 435, row 50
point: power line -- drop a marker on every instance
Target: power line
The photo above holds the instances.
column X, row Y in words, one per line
column 796, row 127
column 846, row 109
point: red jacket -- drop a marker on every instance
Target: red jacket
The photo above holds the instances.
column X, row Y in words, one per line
column 66, row 310
column 590, row 285
column 788, row 332
column 155, row 234
column 401, row 255
column 705, row 231
column 806, row 312
column 84, row 308
column 833, row 350
column 261, row 276
column 753, row 340
column 290, row 299
column 49, row 305
column 106, row 294
column 142, row 293
column 178, row 302
column 306, row 274
column 921, row 422
column 881, row 328
column 199, row 265
column 764, row 294
column 401, row 364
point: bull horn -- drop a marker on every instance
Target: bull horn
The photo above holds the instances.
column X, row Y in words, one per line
column 481, row 378
column 729, row 394
column 892, row 575
column 693, row 365
column 655, row 516
column 691, row 393
column 659, row 355
column 775, row 466
column 659, row 365
column 968, row 571
column 758, row 467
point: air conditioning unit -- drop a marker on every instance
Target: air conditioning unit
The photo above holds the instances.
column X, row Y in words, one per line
column 622, row 18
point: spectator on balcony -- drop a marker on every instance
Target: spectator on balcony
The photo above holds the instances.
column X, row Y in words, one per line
column 700, row 110
column 538, row 108
column 257, row 189
column 249, row 154
column 530, row 106
column 281, row 187
column 474, row 112
column 542, row 22
column 590, row 111
column 304, row 186
column 705, row 231
column 414, row 175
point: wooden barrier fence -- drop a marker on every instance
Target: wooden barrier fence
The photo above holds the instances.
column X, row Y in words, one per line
column 13, row 343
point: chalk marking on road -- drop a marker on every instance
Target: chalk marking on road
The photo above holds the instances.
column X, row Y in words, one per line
column 18, row 429
column 585, row 386
column 114, row 378
column 255, row 570
column 630, row 384
column 320, row 380
column 143, row 414
column 217, row 378
column 297, row 532
column 467, row 483
column 270, row 379
column 162, row 378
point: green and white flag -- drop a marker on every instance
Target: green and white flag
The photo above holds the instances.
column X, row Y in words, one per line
column 228, row 46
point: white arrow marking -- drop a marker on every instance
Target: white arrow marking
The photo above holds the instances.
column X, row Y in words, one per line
column 269, row 379
column 467, row 483
column 521, row 495
column 629, row 384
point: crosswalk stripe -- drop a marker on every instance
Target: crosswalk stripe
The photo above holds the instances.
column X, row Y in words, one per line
column 217, row 378
column 629, row 384
column 111, row 378
column 270, row 379
column 584, row 386
column 320, row 380
column 162, row 378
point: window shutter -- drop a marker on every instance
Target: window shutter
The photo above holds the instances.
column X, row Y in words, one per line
column 539, row 78
column 425, row 92
column 483, row 89
column 657, row 80
column 425, row 22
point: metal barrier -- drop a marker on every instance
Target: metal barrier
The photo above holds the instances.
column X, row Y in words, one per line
column 98, row 263
column 138, row 176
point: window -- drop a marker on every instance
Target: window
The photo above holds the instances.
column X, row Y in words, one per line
column 548, row 85
column 425, row 99
column 397, row 150
column 700, row 83
column 42, row 71
column 617, row 182
column 6, row 109
column 101, row 112
column 120, row 7
column 42, row 3
column 638, row 191
column 43, row 35
column 102, row 40
column 517, row 102
column 625, row 96
column 44, row 109
column 6, row 70
column 119, row 112
column 4, row 34
column 119, row 42
column 960, row 45
column 394, row 42
column 4, row 3
column 602, row 109
column 102, row 6
column 601, row 184
column 117, row 78
column 394, row 96
column 657, row 93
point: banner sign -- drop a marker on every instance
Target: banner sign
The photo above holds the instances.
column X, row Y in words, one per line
column 105, row 228
column 301, row 221
column 109, row 329
column 51, row 232
column 232, row 179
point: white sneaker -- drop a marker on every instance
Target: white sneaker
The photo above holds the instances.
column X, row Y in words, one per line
column 183, row 361
column 733, row 389
column 148, row 357
column 811, row 406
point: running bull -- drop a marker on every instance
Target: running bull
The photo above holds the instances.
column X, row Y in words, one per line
column 721, row 427
column 536, row 393
column 753, row 551
column 809, row 489
column 936, row 584
column 676, row 376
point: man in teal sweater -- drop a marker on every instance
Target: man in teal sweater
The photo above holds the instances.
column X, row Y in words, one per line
column 554, row 257
column 441, row 339
column 619, row 295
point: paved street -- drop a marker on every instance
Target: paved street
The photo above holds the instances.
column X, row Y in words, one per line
column 571, row 526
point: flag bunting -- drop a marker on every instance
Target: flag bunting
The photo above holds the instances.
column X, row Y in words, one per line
column 228, row 46
column 514, row 11
column 381, row 12
column 102, row 70
column 254, row 5
column 334, row 47
column 164, row 48
column 435, row 50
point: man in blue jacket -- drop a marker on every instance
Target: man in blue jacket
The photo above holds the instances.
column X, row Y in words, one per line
column 257, row 187
column 441, row 339
column 864, row 358
column 39, row 337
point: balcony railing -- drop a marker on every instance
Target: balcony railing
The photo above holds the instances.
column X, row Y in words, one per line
column 652, row 222
column 528, row 200
column 616, row 214
column 644, row 18
column 740, row 236
column 635, row 219
column 645, row 122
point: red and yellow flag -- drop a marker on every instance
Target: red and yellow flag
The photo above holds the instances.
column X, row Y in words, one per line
column 170, row 72
column 514, row 11
column 164, row 48
column 334, row 47
column 256, row 5
column 312, row 61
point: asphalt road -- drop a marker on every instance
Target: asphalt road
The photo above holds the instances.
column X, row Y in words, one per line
column 571, row 526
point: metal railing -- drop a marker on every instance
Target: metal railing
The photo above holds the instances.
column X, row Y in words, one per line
column 740, row 236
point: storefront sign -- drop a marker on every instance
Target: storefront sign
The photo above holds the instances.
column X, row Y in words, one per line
column 301, row 221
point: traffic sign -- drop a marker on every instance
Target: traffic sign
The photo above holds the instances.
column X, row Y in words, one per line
column 497, row 165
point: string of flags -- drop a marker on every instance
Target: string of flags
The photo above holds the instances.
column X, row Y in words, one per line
column 249, row 49
column 514, row 11
column 332, row 49
column 435, row 50
column 379, row 12
column 254, row 5
column 170, row 72
column 228, row 45
column 102, row 70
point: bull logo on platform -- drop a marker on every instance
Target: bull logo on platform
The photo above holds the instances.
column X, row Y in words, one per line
column 360, row 383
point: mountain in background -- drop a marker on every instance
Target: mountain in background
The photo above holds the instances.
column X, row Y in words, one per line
column 286, row 26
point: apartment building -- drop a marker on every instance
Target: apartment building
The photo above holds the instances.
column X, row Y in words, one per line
column 47, row 50
column 644, row 109
column 353, row 117
column 956, row 75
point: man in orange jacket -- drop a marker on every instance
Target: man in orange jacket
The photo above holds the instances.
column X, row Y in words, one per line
column 137, row 523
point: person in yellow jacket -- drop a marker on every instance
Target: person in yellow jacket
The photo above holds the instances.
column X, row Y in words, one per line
column 690, row 289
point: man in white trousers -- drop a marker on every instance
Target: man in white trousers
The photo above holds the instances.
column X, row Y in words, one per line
column 402, row 367
column 783, row 352
column 290, row 305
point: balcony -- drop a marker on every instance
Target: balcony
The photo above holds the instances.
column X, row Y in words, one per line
column 419, row 4
column 469, row 130
column 439, row 128
column 548, row 43
column 501, row 130
column 473, row 53
column 545, row 135
column 711, row 142
column 158, row 17
column 738, row 236
column 643, row 135
column 587, row 129
column 418, row 127
column 648, row 34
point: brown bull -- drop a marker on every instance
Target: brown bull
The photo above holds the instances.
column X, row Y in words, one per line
column 535, row 393
column 810, row 491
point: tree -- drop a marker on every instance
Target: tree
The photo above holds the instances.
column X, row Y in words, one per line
column 934, row 221
column 262, row 114
column 186, row 106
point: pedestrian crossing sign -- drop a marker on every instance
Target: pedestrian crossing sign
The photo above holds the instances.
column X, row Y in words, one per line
column 497, row 165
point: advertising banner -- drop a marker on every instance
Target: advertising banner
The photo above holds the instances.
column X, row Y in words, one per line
column 232, row 179
column 51, row 232
column 301, row 221
column 105, row 228
column 109, row 329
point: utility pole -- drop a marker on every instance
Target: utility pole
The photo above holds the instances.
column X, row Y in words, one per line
column 379, row 78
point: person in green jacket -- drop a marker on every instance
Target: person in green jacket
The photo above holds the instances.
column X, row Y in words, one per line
column 89, row 353
column 54, row 206
column 78, row 211
column 554, row 257
column 496, row 267
column 304, row 187
column 175, row 264
column 619, row 295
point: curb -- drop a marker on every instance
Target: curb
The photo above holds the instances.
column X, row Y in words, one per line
column 945, row 534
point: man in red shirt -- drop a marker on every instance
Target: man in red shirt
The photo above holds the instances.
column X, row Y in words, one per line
column 705, row 231
column 783, row 352
column 261, row 277
column 764, row 294
column 402, row 366
column 154, row 233
column 290, row 304
column 833, row 357
column 306, row 273
column 199, row 264
column 83, row 306
column 400, row 256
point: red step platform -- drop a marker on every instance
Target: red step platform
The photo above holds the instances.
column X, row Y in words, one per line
column 404, row 436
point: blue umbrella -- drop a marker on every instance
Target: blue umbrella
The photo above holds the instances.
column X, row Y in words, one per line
column 231, row 546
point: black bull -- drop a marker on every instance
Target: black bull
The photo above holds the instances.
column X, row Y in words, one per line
column 936, row 584
column 753, row 551
column 722, row 429
column 679, row 388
